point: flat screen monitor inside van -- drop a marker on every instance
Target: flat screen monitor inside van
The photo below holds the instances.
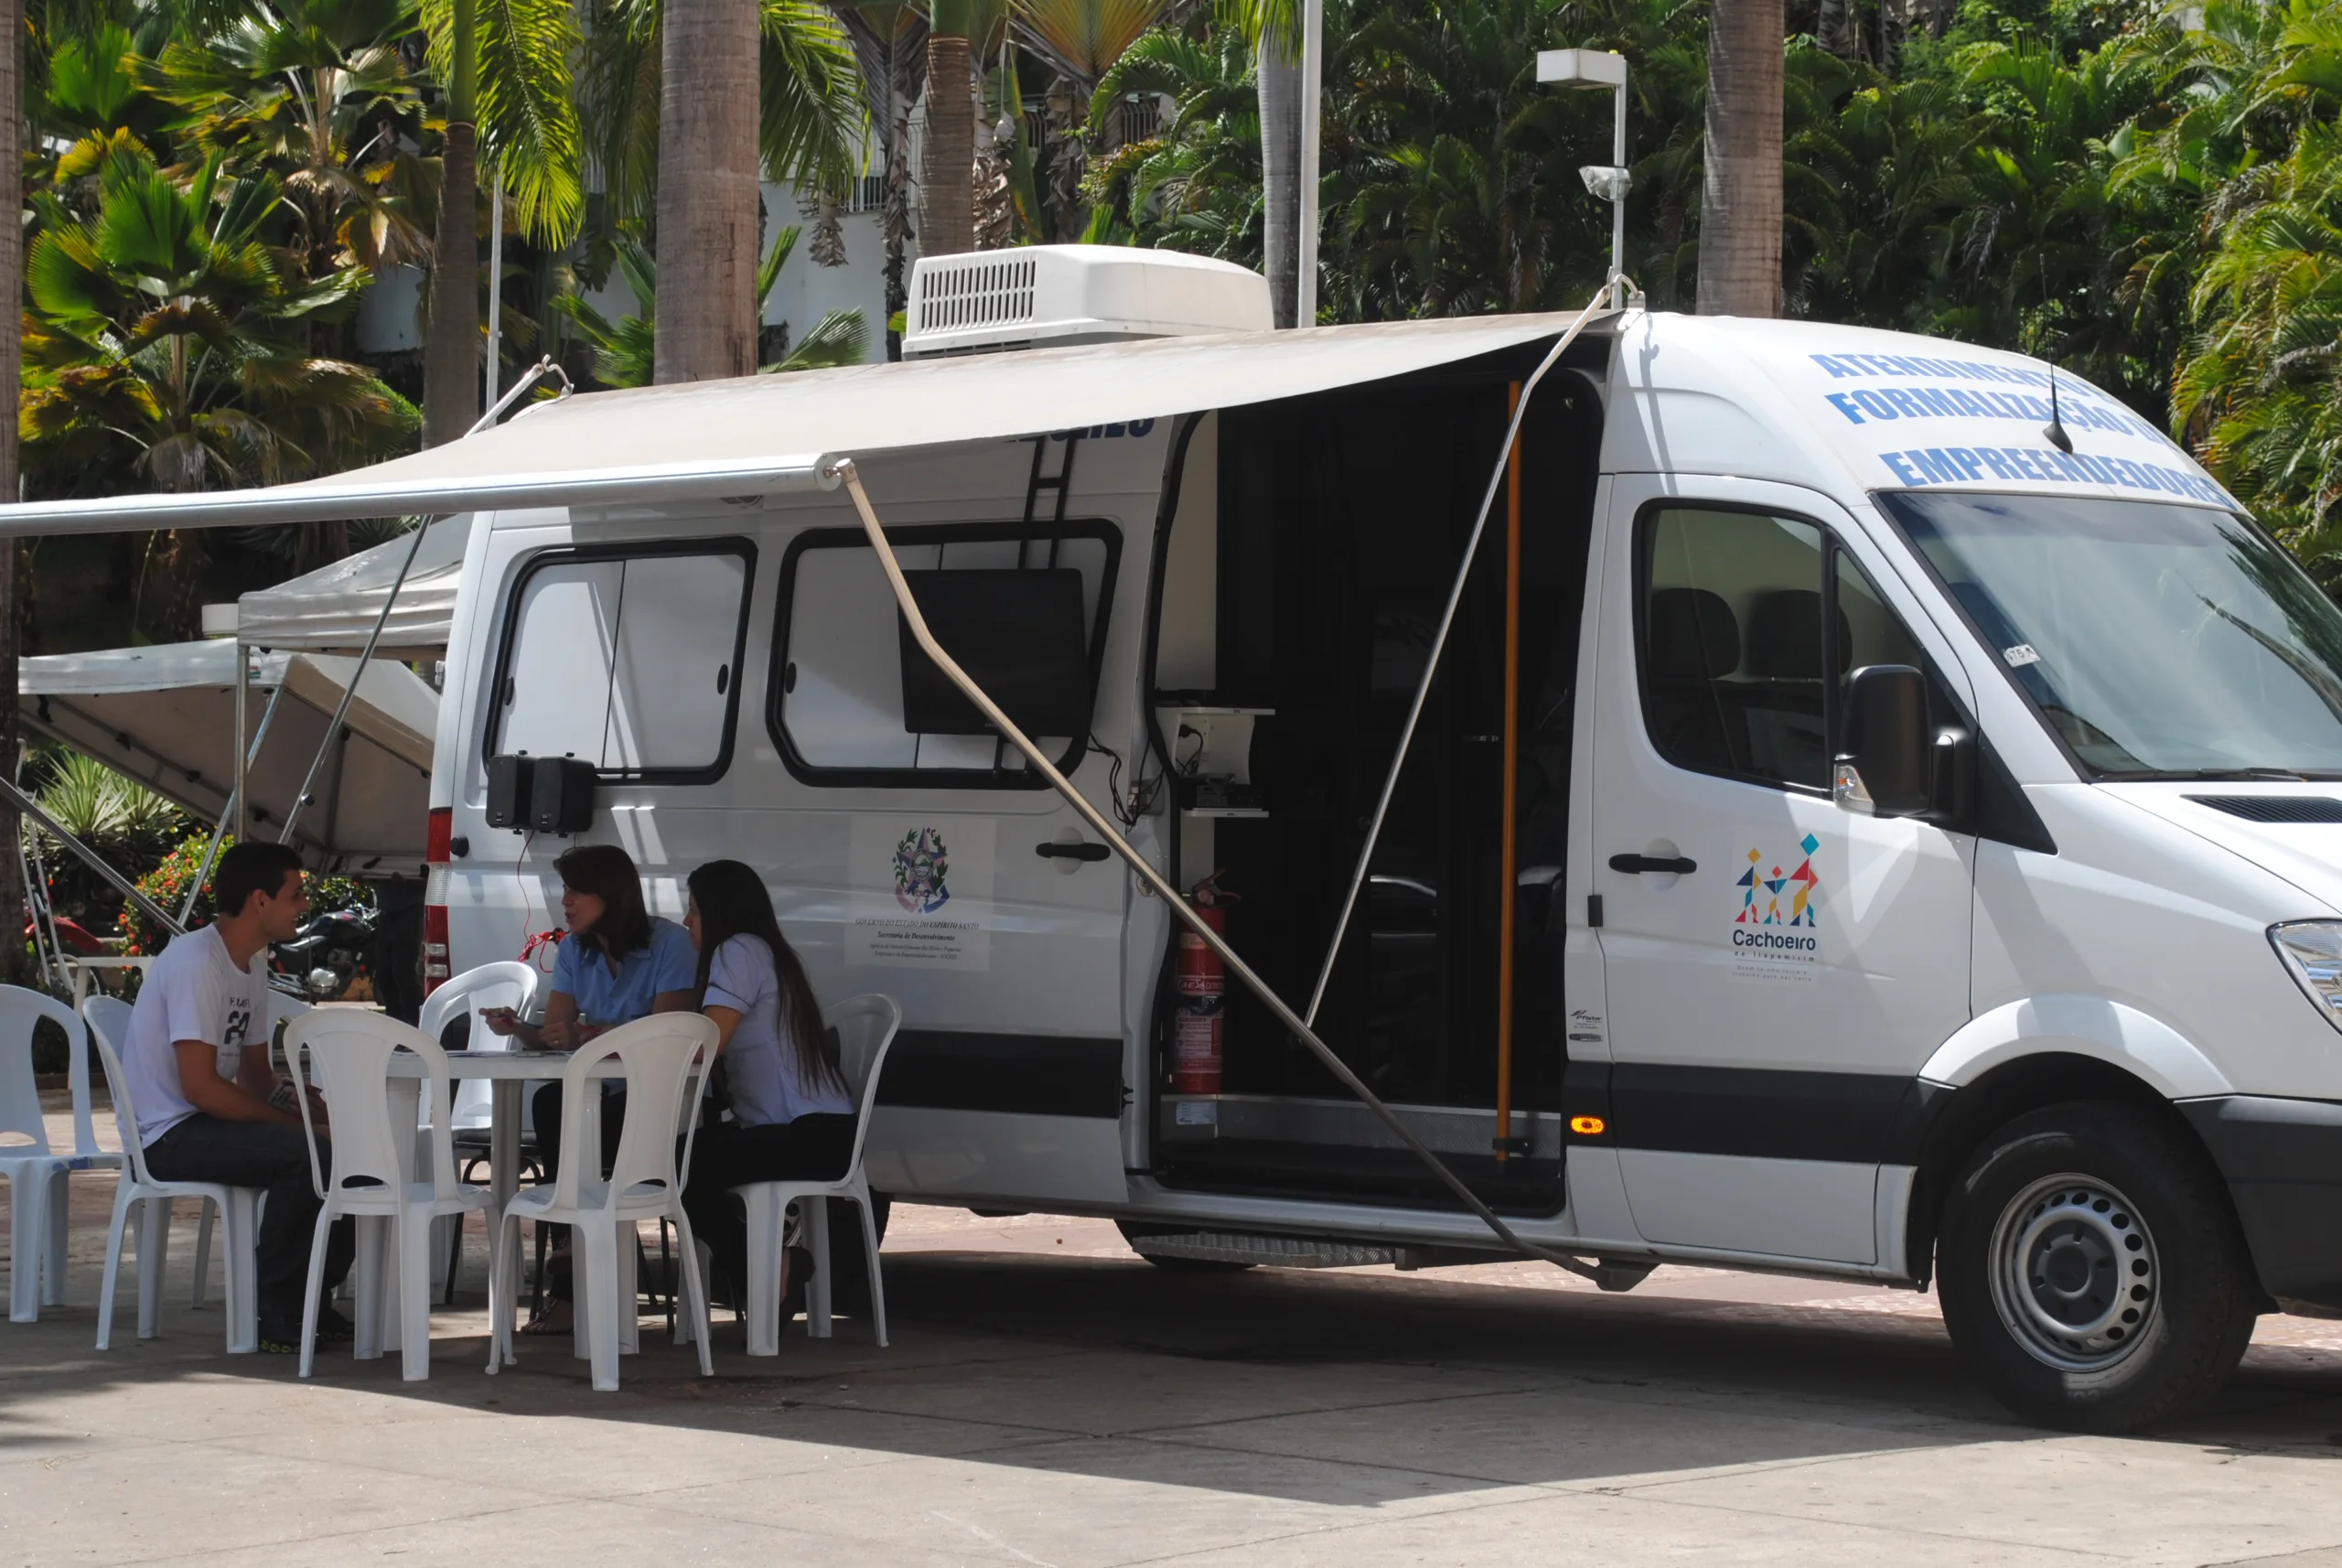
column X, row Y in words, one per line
column 1019, row 633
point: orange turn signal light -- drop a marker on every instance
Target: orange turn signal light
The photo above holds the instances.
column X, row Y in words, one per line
column 1588, row 1126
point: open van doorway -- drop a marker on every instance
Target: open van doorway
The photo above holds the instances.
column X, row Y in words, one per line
column 1338, row 525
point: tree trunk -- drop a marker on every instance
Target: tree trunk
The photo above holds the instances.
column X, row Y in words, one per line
column 451, row 352
column 708, row 200
column 12, row 288
column 946, row 196
column 1740, row 204
column 1279, row 77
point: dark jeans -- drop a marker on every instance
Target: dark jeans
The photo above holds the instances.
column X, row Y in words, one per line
column 275, row 1157
column 725, row 1155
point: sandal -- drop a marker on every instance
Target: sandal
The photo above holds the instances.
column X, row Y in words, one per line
column 558, row 1318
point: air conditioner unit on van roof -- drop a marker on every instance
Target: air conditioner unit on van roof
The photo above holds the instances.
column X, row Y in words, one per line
column 1060, row 294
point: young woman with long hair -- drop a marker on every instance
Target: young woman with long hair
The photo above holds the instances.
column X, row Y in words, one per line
column 791, row 1112
column 618, row 962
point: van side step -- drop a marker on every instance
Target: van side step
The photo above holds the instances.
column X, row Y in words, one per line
column 1328, row 1252
column 1301, row 1252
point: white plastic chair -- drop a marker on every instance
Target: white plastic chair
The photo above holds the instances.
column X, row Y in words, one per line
column 865, row 1027
column 350, row 1055
column 36, row 1174
column 506, row 984
column 665, row 1056
column 282, row 1009
column 109, row 1018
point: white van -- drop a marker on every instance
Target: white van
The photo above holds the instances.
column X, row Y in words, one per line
column 1924, row 852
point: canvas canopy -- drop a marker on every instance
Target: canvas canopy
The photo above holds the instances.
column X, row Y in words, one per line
column 763, row 434
column 334, row 609
column 166, row 717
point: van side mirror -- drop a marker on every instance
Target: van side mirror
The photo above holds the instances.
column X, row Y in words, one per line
column 1888, row 768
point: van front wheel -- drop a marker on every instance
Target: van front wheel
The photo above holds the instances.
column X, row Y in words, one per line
column 2091, row 1274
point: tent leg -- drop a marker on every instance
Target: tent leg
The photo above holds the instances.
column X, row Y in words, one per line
column 236, row 801
column 234, row 813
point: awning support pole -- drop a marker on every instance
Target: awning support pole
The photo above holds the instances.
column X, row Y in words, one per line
column 844, row 470
column 1439, row 644
column 350, row 693
column 90, row 857
column 536, row 373
column 1508, row 912
column 528, row 378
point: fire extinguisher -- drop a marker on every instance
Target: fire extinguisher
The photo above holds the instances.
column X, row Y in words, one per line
column 1196, row 1036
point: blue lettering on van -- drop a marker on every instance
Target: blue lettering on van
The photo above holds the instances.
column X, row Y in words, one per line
column 1106, row 432
column 1921, row 467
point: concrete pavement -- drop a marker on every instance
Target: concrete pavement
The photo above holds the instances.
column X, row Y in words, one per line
column 1049, row 1399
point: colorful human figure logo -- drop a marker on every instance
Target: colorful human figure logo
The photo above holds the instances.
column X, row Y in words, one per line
column 1801, row 888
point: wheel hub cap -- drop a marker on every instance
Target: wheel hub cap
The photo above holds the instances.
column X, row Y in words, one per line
column 2073, row 1272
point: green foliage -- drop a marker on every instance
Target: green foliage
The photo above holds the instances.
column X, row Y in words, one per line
column 622, row 349
column 165, row 341
column 168, row 884
column 131, row 826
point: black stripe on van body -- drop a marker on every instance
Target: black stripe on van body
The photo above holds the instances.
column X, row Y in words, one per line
column 1031, row 1075
column 1761, row 1112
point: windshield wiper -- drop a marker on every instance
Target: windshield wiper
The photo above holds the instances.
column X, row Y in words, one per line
column 2258, row 775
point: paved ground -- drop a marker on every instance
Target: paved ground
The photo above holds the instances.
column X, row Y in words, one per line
column 1051, row 1400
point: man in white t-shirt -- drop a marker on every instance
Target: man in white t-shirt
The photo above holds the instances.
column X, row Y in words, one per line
column 205, row 995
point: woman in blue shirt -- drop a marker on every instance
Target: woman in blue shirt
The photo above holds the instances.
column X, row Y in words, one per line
column 791, row 1115
column 619, row 962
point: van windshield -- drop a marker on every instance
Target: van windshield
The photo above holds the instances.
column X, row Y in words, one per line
column 2159, row 641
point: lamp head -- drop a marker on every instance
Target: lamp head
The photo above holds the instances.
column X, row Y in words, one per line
column 1581, row 68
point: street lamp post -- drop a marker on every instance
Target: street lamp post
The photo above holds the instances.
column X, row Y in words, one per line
column 1598, row 68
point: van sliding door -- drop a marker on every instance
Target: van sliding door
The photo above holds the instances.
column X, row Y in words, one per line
column 933, row 866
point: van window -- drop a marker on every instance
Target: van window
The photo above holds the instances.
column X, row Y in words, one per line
column 1750, row 626
column 630, row 658
column 848, row 695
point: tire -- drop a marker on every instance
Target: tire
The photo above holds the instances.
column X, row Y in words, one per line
column 1133, row 1234
column 2092, row 1272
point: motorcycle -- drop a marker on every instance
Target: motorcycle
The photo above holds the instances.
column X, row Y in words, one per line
column 329, row 951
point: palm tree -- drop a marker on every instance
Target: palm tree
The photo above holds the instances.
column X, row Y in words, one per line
column 798, row 97
column 507, row 67
column 164, row 344
column 708, row 200
column 1197, row 186
column 1273, row 29
column 1082, row 39
column 947, row 187
column 890, row 38
column 1740, row 201
column 319, row 93
column 625, row 351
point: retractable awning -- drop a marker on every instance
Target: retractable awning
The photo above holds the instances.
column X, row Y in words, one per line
column 334, row 609
column 166, row 717
column 763, row 434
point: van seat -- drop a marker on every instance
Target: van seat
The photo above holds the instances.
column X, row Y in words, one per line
column 1693, row 642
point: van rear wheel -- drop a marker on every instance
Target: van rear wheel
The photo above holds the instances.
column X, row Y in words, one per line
column 2091, row 1274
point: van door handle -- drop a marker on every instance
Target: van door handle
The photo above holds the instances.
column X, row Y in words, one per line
column 1635, row 865
column 1071, row 851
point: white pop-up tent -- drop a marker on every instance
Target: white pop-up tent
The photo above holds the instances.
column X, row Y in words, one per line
column 335, row 609
column 166, row 717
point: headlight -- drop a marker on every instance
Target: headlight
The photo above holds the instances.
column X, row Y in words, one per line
column 2313, row 951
